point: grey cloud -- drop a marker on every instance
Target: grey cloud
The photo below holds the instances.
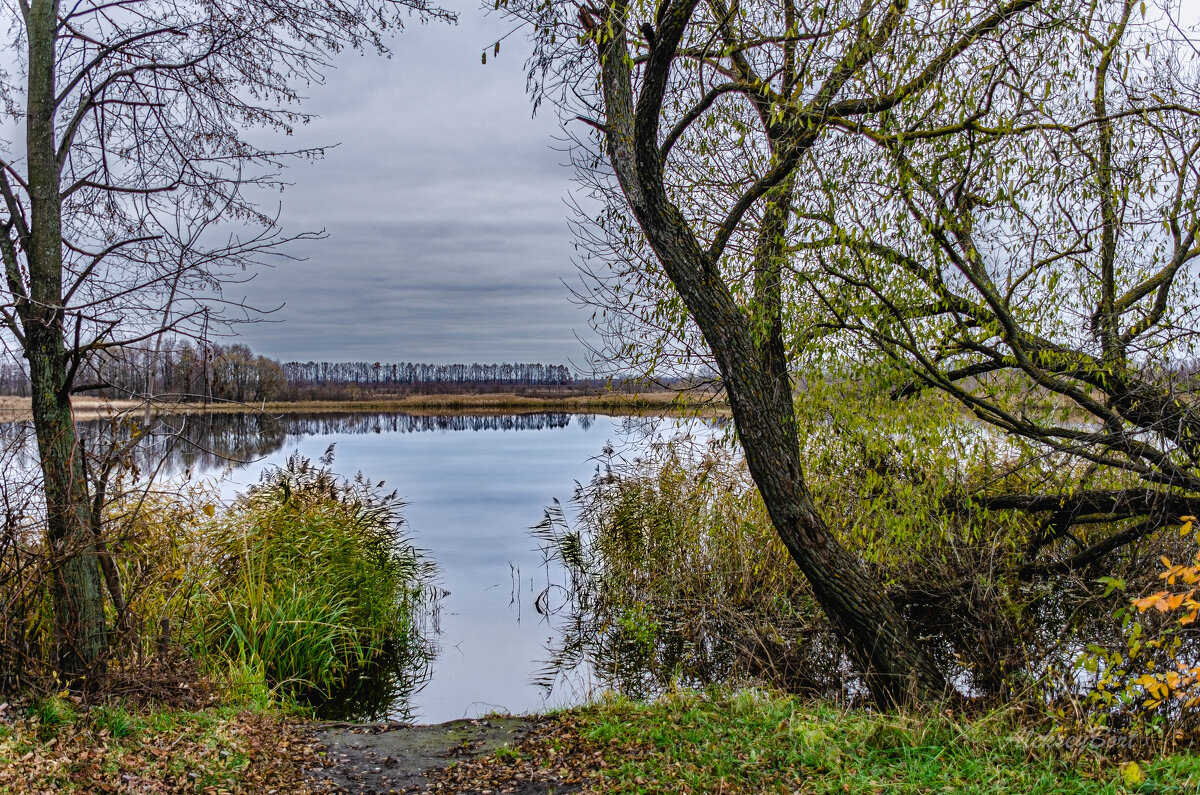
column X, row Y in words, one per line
column 443, row 204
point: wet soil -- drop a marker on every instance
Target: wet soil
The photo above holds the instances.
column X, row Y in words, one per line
column 397, row 758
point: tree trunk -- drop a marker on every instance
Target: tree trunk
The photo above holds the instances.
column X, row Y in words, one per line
column 79, row 602
column 896, row 669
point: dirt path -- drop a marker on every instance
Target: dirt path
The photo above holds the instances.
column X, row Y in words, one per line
column 396, row 758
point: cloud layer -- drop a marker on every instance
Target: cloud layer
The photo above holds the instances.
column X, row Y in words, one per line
column 444, row 207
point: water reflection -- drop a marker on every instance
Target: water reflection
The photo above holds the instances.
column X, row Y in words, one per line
column 166, row 445
column 386, row 686
column 471, row 499
column 174, row 444
column 313, row 424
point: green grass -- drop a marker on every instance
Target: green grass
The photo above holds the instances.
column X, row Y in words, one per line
column 52, row 714
column 116, row 721
column 753, row 741
column 315, row 579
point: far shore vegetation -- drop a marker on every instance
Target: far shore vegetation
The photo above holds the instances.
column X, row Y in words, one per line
column 14, row 409
column 182, row 378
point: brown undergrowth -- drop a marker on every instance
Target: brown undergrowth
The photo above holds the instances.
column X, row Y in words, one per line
column 56, row 746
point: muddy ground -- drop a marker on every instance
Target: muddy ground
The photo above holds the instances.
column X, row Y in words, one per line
column 397, row 758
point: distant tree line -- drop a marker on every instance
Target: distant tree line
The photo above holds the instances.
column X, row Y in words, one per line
column 187, row 371
column 409, row 374
column 334, row 380
column 14, row 379
column 182, row 370
column 172, row 370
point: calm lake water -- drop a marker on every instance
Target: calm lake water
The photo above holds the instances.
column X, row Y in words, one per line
column 474, row 486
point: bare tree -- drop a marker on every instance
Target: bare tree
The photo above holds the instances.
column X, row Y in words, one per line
column 705, row 116
column 133, row 117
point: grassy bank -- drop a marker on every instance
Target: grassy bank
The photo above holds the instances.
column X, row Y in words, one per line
column 611, row 402
column 756, row 742
column 15, row 409
column 747, row 741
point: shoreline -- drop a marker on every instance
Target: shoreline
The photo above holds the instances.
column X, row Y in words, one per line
column 610, row 745
column 17, row 409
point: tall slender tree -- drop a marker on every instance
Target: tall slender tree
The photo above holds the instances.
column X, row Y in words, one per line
column 133, row 117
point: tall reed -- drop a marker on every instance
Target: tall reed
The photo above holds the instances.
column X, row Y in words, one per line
column 314, row 578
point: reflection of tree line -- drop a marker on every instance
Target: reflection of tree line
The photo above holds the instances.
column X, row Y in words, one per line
column 353, row 424
column 171, row 444
column 199, row 442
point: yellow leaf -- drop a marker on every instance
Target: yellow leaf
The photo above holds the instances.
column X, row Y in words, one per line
column 1131, row 774
column 209, row 509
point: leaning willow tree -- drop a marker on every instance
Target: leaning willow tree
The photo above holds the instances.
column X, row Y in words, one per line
column 130, row 159
column 780, row 178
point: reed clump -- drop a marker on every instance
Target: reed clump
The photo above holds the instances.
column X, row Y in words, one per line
column 282, row 597
column 676, row 575
column 312, row 579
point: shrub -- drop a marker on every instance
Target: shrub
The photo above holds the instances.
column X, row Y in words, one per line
column 1146, row 685
column 289, row 591
column 676, row 575
column 312, row 578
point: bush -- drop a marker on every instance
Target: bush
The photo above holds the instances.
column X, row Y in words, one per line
column 1145, row 684
column 289, row 591
column 313, row 578
column 677, row 576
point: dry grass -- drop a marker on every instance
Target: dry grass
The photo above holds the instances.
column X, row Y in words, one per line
column 487, row 403
column 15, row 409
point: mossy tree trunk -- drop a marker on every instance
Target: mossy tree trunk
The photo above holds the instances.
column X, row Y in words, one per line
column 79, row 601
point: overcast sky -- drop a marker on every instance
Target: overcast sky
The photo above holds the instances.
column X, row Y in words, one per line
column 444, row 208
